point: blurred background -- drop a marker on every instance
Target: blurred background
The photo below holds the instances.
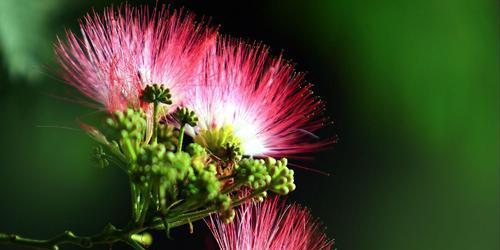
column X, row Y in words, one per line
column 413, row 88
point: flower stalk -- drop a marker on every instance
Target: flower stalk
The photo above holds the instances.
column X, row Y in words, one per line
column 181, row 137
column 109, row 235
column 155, row 118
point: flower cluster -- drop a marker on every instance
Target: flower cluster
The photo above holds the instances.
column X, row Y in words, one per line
column 278, row 226
column 260, row 100
column 123, row 51
column 161, row 76
column 242, row 95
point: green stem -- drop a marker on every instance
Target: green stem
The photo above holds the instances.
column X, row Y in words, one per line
column 186, row 218
column 155, row 121
column 144, row 211
column 21, row 241
column 183, row 208
column 109, row 235
column 181, row 138
column 144, row 205
column 133, row 198
column 129, row 149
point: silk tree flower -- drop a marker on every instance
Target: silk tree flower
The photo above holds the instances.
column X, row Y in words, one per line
column 247, row 98
column 269, row 225
column 123, row 50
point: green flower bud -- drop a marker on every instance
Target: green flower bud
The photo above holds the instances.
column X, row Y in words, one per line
column 223, row 205
column 128, row 124
column 99, row 156
column 282, row 177
column 253, row 172
column 181, row 163
column 202, row 185
column 196, row 150
column 260, row 197
column 223, row 202
column 185, row 116
column 151, row 155
column 156, row 93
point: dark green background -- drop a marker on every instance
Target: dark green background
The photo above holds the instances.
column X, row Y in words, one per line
column 413, row 88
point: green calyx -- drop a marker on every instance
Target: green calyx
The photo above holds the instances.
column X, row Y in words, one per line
column 221, row 142
column 156, row 93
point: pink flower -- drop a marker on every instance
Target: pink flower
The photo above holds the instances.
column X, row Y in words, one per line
column 123, row 50
column 266, row 105
column 270, row 225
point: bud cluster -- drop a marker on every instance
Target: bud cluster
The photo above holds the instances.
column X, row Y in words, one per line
column 156, row 93
column 268, row 174
column 186, row 116
column 177, row 184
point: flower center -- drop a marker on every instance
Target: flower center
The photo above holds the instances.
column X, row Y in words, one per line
column 221, row 142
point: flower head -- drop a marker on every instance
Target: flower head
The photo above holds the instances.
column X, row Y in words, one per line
column 246, row 97
column 122, row 51
column 269, row 225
